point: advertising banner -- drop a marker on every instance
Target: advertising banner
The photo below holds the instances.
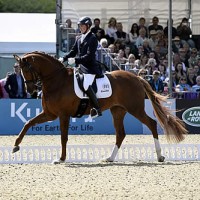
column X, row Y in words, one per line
column 16, row 112
column 189, row 112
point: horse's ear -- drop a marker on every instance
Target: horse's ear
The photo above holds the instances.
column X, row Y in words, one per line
column 17, row 58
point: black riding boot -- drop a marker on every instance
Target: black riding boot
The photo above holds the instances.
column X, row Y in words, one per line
column 95, row 111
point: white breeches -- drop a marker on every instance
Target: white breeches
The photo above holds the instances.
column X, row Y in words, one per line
column 88, row 80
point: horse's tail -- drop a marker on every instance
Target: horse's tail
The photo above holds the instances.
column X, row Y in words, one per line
column 174, row 128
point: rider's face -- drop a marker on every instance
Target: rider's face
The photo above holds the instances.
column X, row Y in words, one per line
column 83, row 28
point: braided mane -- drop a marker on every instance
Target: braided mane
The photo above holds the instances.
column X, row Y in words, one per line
column 43, row 54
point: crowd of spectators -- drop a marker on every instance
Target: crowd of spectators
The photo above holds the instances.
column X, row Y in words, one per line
column 142, row 51
column 145, row 49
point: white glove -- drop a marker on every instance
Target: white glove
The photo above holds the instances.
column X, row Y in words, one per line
column 71, row 61
column 61, row 59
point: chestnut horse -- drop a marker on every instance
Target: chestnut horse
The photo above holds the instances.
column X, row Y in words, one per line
column 60, row 100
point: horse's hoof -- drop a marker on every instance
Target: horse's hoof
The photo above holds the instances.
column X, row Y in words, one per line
column 15, row 149
column 161, row 159
column 58, row 161
column 107, row 160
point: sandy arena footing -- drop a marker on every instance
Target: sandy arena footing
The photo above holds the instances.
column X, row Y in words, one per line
column 136, row 180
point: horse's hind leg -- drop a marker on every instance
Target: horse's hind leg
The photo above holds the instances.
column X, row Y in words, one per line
column 118, row 114
column 152, row 125
column 41, row 118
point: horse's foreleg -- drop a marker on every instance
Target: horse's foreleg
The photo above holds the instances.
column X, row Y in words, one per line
column 64, row 124
column 42, row 117
column 118, row 114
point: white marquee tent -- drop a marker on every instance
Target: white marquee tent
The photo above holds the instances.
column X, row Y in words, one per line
column 129, row 11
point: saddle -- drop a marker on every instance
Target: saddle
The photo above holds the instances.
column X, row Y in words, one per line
column 101, row 87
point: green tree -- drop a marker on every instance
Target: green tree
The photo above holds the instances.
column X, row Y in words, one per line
column 28, row 6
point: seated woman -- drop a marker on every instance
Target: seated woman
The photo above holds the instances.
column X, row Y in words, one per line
column 129, row 66
column 183, row 85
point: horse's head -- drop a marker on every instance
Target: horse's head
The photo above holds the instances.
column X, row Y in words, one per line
column 30, row 75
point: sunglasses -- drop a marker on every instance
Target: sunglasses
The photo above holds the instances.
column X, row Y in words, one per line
column 182, row 79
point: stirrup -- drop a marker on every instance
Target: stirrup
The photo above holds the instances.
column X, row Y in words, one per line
column 95, row 113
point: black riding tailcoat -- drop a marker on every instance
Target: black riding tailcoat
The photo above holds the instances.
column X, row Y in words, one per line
column 85, row 54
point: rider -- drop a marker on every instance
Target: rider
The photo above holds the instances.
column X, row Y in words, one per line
column 84, row 51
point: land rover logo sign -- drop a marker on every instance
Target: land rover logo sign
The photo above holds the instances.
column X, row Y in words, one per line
column 191, row 116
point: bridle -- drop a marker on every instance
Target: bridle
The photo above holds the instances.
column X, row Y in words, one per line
column 36, row 80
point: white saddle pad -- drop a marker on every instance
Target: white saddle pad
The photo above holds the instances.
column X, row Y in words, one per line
column 104, row 89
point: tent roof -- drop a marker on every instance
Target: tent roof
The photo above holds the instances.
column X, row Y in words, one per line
column 129, row 11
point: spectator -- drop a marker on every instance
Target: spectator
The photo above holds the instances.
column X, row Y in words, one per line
column 191, row 79
column 133, row 34
column 127, row 51
column 101, row 50
column 142, row 22
column 120, row 34
column 162, row 70
column 176, row 44
column 129, row 66
column 68, row 35
column 174, row 31
column 160, row 34
column 103, row 43
column 142, row 73
column 196, row 70
column 152, row 63
column 163, row 46
column 193, row 59
column 15, row 85
column 112, row 50
column 140, row 52
column 120, row 60
column 137, row 64
column 147, row 48
column 156, row 83
column 97, row 30
column 183, row 86
column 143, row 59
column 140, row 39
column 110, row 31
column 155, row 26
column 153, row 40
column 183, row 56
column 110, row 56
column 154, row 55
column 179, row 71
column 184, row 32
column 118, row 45
column 196, row 88
column 2, row 84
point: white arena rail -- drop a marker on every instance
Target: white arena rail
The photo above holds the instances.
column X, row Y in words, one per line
column 96, row 153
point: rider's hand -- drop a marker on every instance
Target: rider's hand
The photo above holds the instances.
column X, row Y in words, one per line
column 61, row 59
column 71, row 61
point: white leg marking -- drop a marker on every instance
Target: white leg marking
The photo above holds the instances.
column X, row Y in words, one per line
column 113, row 155
column 158, row 148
